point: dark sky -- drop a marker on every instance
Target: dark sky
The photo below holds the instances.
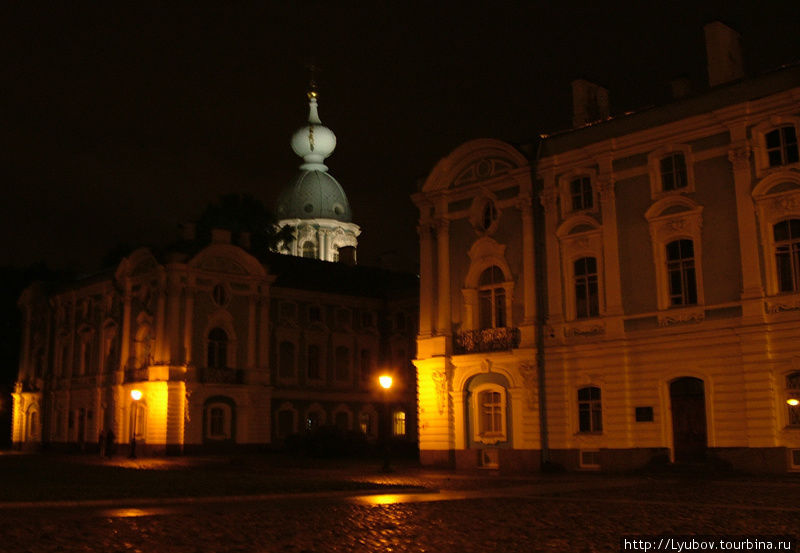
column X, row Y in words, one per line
column 120, row 123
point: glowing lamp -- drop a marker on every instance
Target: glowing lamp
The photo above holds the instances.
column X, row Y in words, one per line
column 794, row 402
column 136, row 395
column 386, row 381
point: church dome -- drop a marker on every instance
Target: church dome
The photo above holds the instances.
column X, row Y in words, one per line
column 314, row 194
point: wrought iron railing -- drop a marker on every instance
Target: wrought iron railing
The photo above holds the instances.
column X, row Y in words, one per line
column 487, row 339
column 137, row 375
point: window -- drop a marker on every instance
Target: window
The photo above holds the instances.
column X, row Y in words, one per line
column 587, row 303
column 314, row 372
column 365, row 366
column 681, row 273
column 399, row 321
column 314, row 314
column 399, row 423
column 367, row 320
column 489, row 215
column 781, row 146
column 793, row 398
column 86, row 353
column 219, row 295
column 489, row 406
column 366, row 423
column 217, row 357
column 590, row 458
column 342, row 420
column 286, row 360
column 589, row 411
column 673, row 172
column 644, row 414
column 342, row 363
column 787, row 255
column 580, row 191
column 491, row 299
column 309, row 250
column 216, row 422
column 313, row 421
column 285, row 423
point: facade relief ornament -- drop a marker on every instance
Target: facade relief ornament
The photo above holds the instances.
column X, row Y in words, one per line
column 529, row 377
column 548, row 199
column 440, row 383
column 605, row 187
column 786, row 204
column 681, row 317
column 584, row 331
column 739, row 156
column 789, row 303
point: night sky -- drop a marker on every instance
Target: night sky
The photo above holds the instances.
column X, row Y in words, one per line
column 118, row 124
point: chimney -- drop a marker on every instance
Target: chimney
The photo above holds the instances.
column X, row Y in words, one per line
column 680, row 87
column 589, row 103
column 724, row 54
column 347, row 255
column 220, row 236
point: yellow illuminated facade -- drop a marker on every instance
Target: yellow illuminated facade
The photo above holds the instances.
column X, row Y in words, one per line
column 623, row 293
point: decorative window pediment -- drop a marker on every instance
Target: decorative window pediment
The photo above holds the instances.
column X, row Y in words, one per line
column 581, row 241
column 483, row 169
column 775, row 144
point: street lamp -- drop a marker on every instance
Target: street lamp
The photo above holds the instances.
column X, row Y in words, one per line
column 386, row 383
column 136, row 395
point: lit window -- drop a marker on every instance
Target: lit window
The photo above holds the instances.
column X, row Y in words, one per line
column 491, row 299
column 286, row 360
column 681, row 273
column 782, row 146
column 366, row 423
column 399, row 423
column 314, row 372
column 309, row 250
column 787, row 254
column 673, row 172
column 217, row 349
column 587, row 302
column 793, row 398
column 580, row 190
column 342, row 363
column 589, row 410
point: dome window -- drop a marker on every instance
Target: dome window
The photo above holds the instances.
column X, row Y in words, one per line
column 489, row 215
column 338, row 209
column 308, row 208
column 220, row 295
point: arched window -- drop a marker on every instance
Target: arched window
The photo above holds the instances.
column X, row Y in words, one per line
column 367, row 423
column 314, row 372
column 365, row 366
column 285, row 425
column 590, row 414
column 793, row 398
column 309, row 250
column 342, row 420
column 787, row 254
column 489, row 413
column 220, row 418
column 342, row 363
column 286, row 360
column 781, row 146
column 491, row 298
column 217, row 357
column 587, row 303
column 681, row 273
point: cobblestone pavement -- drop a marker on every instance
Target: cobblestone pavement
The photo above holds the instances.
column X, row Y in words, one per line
column 563, row 513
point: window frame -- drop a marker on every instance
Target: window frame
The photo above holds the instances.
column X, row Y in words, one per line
column 654, row 160
column 565, row 191
column 484, row 253
column 479, row 435
column 760, row 149
column 591, row 403
column 667, row 226
column 574, row 245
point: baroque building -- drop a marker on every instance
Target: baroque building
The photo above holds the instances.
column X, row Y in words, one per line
column 224, row 347
column 623, row 293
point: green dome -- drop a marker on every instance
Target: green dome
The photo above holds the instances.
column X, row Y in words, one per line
column 314, row 194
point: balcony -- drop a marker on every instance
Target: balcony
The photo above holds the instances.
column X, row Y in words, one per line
column 220, row 376
column 488, row 339
column 137, row 375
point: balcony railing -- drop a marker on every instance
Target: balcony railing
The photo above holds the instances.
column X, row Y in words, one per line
column 487, row 339
column 220, row 376
column 137, row 375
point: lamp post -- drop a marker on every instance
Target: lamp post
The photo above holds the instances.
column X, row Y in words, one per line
column 386, row 383
column 136, row 395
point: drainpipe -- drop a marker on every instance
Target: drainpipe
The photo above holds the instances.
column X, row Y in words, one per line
column 541, row 306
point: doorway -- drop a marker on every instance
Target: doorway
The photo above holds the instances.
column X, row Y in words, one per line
column 690, row 440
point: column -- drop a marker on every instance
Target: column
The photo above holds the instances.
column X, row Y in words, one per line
column 160, row 349
column 528, row 265
column 173, row 339
column 444, row 324
column 125, row 341
column 188, row 314
column 611, row 273
column 251, row 332
column 425, row 279
column 554, row 294
column 739, row 156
